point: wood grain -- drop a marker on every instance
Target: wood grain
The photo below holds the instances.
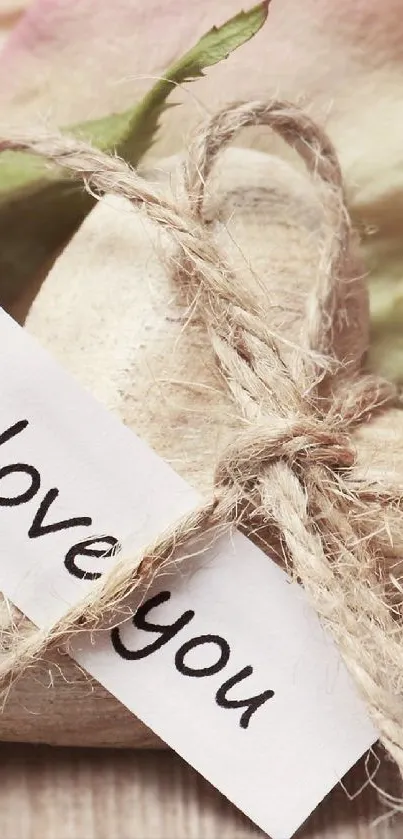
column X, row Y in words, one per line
column 59, row 793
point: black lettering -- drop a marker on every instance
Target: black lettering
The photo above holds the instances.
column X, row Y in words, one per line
column 167, row 631
column 84, row 549
column 252, row 704
column 197, row 642
column 39, row 529
column 35, row 478
column 13, row 431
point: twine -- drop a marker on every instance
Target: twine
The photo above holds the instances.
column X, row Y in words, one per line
column 292, row 464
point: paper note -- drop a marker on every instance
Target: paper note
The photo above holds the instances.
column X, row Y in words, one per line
column 224, row 658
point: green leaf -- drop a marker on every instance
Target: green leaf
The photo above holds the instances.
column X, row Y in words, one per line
column 40, row 207
column 212, row 48
column 386, row 308
column 377, row 213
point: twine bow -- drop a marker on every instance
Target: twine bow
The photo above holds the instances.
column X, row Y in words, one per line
column 292, row 465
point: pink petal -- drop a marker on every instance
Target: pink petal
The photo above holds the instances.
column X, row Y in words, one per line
column 75, row 59
column 72, row 60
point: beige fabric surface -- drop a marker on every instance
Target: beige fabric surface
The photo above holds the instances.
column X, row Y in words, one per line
column 109, row 313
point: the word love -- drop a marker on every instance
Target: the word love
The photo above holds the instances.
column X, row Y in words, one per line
column 30, row 479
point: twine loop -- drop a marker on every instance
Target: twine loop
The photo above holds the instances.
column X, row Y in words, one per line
column 294, row 461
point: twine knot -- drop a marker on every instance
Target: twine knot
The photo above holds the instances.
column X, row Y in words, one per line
column 300, row 443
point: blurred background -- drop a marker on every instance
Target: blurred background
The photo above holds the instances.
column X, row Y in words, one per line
column 71, row 63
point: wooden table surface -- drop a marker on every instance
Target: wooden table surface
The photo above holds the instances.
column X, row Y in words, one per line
column 49, row 793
